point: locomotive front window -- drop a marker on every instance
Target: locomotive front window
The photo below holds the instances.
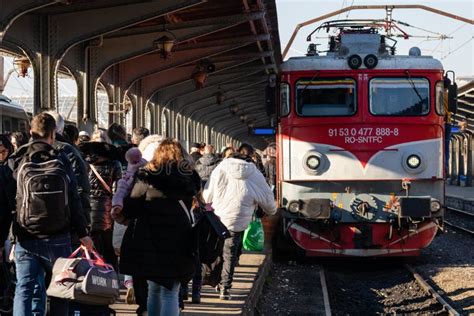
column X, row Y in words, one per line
column 399, row 96
column 326, row 97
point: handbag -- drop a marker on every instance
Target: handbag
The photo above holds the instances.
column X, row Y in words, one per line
column 84, row 279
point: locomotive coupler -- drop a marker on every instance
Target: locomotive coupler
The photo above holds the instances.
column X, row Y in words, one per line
column 406, row 184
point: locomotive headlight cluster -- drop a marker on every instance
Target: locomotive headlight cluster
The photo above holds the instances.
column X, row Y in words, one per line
column 313, row 162
column 435, row 206
column 413, row 161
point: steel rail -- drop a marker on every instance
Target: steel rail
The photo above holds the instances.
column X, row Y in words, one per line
column 461, row 213
column 430, row 290
column 456, row 210
column 470, row 232
column 327, row 305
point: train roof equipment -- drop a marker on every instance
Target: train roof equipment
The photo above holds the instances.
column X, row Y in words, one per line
column 356, row 44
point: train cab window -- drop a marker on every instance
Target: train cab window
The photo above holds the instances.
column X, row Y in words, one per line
column 284, row 99
column 326, row 97
column 440, row 99
column 399, row 96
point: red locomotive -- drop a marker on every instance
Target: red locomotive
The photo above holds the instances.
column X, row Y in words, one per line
column 360, row 143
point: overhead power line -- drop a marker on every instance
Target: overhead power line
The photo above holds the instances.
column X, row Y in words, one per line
column 458, row 48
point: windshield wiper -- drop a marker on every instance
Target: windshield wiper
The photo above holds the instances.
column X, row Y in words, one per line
column 410, row 80
column 306, row 86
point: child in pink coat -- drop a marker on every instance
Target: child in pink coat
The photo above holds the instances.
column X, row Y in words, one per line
column 124, row 185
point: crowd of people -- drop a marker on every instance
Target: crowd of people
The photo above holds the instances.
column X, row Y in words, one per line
column 129, row 200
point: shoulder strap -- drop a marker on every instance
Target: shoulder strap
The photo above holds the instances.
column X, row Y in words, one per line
column 101, row 180
column 189, row 213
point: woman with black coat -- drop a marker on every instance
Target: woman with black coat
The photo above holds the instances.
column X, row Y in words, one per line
column 159, row 243
column 104, row 172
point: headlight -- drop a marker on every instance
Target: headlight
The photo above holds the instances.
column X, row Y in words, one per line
column 435, row 206
column 413, row 161
column 294, row 206
column 313, row 162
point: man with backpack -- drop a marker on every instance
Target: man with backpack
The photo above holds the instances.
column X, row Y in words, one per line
column 48, row 209
column 78, row 165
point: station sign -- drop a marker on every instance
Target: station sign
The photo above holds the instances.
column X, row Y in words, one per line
column 263, row 131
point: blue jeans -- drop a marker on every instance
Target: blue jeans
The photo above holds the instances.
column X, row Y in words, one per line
column 34, row 259
column 161, row 301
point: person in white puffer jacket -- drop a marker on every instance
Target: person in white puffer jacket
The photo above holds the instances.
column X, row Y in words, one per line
column 236, row 188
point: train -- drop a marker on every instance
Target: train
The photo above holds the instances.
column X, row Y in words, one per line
column 13, row 117
column 360, row 144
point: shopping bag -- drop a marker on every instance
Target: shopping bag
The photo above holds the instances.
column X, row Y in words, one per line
column 254, row 238
column 84, row 279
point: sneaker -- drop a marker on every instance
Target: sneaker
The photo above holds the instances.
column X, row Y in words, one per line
column 224, row 294
column 130, row 297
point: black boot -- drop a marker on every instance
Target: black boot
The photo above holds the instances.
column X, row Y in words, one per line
column 196, row 295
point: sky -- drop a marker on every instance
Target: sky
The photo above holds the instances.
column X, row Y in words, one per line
column 456, row 54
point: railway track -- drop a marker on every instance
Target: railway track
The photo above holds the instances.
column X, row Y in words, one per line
column 430, row 290
column 461, row 221
column 324, row 288
column 393, row 289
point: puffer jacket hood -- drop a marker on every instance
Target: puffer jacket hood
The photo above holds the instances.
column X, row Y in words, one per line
column 149, row 144
column 238, row 168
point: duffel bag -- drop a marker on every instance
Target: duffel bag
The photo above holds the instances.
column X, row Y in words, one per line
column 84, row 280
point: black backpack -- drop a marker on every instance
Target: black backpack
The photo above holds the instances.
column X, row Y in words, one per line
column 42, row 193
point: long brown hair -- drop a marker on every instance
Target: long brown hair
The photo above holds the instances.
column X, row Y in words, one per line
column 169, row 151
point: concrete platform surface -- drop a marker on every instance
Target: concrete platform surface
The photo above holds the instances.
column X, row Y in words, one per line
column 250, row 265
column 460, row 192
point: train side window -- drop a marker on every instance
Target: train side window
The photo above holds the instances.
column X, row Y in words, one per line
column 22, row 127
column 284, row 99
column 7, row 126
column 440, row 99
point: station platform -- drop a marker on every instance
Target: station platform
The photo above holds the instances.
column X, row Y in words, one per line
column 460, row 197
column 248, row 282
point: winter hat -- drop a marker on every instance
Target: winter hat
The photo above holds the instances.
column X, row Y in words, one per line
column 134, row 156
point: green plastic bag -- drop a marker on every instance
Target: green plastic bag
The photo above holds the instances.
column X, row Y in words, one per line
column 254, row 238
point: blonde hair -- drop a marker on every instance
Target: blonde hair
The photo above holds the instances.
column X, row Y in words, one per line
column 169, row 151
column 100, row 136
